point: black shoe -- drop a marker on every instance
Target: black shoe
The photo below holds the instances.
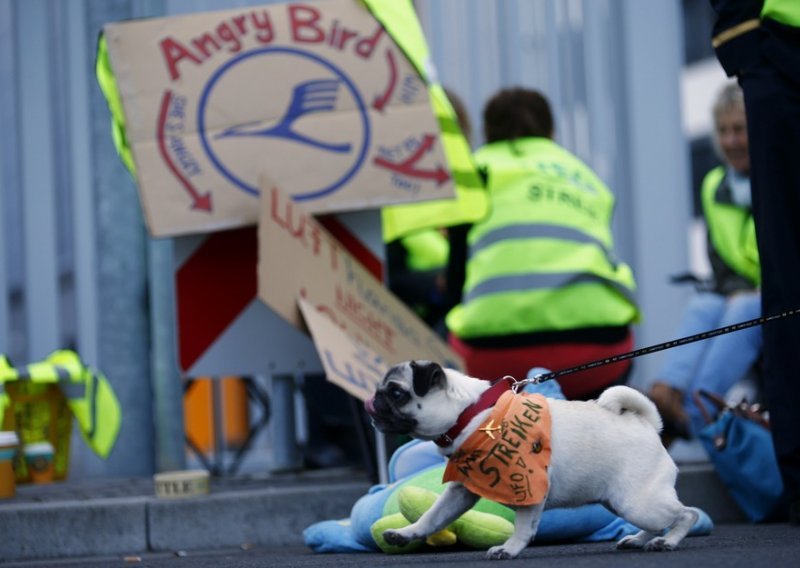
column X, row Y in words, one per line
column 794, row 514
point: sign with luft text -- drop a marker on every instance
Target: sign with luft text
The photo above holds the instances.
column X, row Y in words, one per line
column 298, row 258
column 315, row 95
column 348, row 363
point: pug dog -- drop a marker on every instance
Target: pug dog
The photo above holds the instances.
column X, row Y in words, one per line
column 604, row 451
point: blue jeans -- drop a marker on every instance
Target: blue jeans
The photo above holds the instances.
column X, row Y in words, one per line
column 718, row 363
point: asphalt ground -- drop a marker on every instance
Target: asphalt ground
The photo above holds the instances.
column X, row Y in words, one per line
column 728, row 546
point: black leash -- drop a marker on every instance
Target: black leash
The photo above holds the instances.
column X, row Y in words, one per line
column 656, row 348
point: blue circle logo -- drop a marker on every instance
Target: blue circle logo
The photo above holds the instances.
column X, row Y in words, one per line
column 305, row 131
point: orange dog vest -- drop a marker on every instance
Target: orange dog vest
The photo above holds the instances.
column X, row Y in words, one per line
column 506, row 459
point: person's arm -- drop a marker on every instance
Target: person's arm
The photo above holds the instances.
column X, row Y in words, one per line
column 456, row 263
column 411, row 286
column 735, row 36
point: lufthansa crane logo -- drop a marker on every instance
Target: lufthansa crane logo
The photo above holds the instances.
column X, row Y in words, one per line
column 307, row 130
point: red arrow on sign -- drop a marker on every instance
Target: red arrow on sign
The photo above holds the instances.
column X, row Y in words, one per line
column 383, row 99
column 199, row 201
column 408, row 166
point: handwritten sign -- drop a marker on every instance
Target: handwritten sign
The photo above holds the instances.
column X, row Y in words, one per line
column 348, row 363
column 298, row 258
column 507, row 457
column 317, row 96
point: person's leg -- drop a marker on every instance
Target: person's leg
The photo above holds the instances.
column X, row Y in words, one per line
column 772, row 104
column 728, row 357
column 670, row 389
column 703, row 313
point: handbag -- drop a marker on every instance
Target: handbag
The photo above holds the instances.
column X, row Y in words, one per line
column 739, row 445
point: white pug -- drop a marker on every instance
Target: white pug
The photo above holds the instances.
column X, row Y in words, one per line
column 605, row 451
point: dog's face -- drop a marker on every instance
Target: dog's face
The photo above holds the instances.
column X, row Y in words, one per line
column 412, row 400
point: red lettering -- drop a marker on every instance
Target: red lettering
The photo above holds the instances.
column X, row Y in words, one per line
column 174, row 52
column 264, row 26
column 303, row 21
column 287, row 221
column 366, row 46
column 228, row 35
column 202, row 43
column 239, row 21
column 345, row 36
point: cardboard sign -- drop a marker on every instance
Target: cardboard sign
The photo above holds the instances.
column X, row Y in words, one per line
column 317, row 96
column 348, row 363
column 299, row 259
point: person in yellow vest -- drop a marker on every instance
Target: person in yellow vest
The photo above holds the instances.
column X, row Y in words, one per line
column 542, row 285
column 732, row 296
column 416, row 263
column 759, row 42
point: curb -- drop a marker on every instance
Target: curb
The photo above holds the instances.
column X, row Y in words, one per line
column 265, row 516
column 128, row 525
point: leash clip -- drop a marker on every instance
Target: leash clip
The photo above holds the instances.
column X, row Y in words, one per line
column 518, row 384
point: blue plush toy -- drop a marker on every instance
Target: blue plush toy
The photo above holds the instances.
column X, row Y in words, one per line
column 415, row 472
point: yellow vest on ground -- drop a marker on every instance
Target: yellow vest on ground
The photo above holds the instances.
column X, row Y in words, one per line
column 543, row 259
column 89, row 395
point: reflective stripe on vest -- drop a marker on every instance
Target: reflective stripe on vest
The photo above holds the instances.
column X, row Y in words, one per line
column 541, row 231
column 549, row 281
column 731, row 228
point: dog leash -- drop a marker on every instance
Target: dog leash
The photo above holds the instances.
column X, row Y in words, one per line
column 537, row 379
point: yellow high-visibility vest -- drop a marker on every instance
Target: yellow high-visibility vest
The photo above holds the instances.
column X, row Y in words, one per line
column 400, row 21
column 731, row 228
column 543, row 259
column 89, row 395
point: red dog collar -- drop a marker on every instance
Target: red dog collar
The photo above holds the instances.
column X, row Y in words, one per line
column 487, row 400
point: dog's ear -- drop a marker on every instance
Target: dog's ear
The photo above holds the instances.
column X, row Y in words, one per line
column 426, row 376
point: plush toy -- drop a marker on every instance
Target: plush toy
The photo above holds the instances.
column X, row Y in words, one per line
column 401, row 503
column 416, row 469
column 474, row 528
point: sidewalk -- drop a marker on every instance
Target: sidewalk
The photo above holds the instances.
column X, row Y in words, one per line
column 123, row 517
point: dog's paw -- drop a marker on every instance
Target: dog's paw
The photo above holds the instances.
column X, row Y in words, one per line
column 499, row 553
column 630, row 542
column 659, row 544
column 395, row 538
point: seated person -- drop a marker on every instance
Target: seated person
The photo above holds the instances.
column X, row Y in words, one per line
column 717, row 364
column 536, row 280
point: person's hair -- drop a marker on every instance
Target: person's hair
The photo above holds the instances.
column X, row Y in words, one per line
column 461, row 113
column 516, row 113
column 730, row 96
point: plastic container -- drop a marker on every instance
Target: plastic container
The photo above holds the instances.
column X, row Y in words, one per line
column 39, row 413
column 39, row 461
column 9, row 444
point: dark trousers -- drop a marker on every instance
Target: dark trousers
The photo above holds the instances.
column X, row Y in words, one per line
column 772, row 102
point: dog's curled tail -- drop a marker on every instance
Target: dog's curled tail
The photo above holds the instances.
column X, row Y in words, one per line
column 625, row 399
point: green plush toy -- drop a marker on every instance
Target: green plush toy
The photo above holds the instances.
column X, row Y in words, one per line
column 475, row 528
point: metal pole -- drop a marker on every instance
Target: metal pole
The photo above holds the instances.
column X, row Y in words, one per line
column 285, row 453
column 167, row 387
